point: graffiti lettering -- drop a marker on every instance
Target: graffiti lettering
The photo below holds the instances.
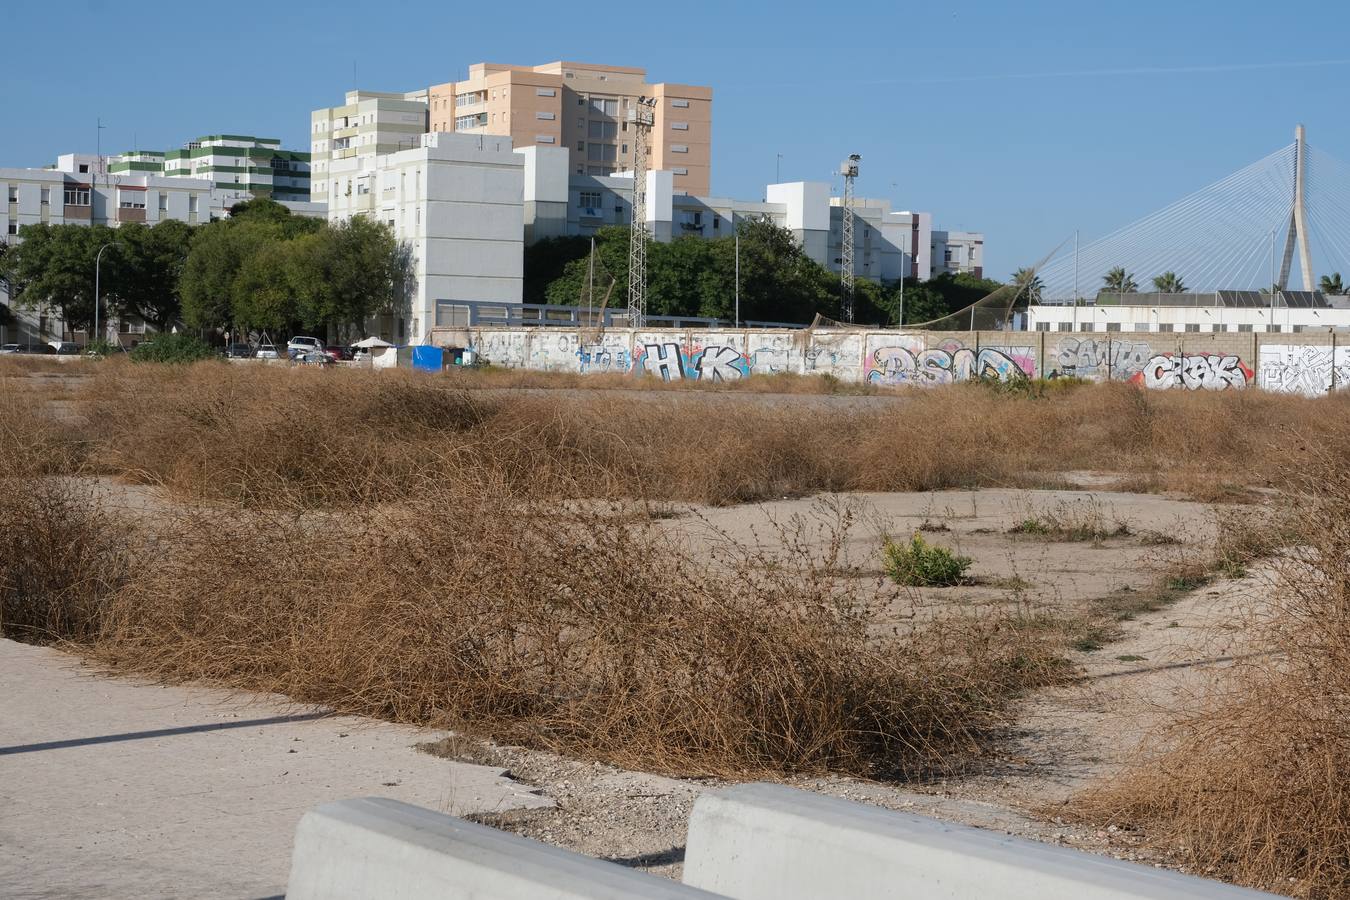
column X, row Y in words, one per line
column 1093, row 358
column 899, row 365
column 663, row 360
column 1303, row 369
column 720, row 364
column 1201, row 371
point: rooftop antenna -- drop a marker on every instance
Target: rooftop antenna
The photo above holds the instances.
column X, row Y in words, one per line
column 849, row 169
column 642, row 116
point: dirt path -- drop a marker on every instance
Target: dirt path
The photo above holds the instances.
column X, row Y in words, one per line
column 114, row 787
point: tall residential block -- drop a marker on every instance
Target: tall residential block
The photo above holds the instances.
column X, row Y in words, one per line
column 240, row 165
column 584, row 109
column 368, row 124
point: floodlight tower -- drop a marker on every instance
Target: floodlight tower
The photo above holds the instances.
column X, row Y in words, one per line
column 641, row 115
column 1298, row 226
column 849, row 169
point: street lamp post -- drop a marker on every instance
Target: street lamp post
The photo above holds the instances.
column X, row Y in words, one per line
column 98, row 261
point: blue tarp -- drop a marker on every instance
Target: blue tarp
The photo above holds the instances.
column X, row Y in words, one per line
column 428, row 359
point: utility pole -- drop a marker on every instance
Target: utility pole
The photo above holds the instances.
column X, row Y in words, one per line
column 641, row 115
column 849, row 169
column 737, row 232
column 98, row 261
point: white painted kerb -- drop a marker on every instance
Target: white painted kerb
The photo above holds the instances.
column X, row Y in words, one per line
column 374, row 848
column 767, row 842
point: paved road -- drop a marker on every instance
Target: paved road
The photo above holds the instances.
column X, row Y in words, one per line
column 112, row 787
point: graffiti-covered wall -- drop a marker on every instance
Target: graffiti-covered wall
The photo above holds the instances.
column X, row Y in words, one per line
column 1303, row 363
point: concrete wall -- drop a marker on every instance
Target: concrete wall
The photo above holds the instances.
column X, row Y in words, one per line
column 768, row 842
column 374, row 848
column 1309, row 364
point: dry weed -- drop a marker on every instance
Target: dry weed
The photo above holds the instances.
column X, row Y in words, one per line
column 1251, row 785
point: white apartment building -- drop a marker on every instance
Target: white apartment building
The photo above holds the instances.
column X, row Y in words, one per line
column 240, row 164
column 888, row 244
column 81, row 189
column 456, row 200
column 366, row 125
column 958, row 252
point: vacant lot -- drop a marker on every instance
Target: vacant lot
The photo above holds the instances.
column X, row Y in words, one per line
column 690, row 584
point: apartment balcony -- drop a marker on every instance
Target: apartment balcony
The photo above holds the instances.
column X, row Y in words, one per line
column 131, row 214
column 79, row 212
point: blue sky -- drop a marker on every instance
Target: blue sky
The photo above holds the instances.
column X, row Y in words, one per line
column 1024, row 120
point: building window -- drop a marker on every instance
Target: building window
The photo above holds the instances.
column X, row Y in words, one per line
column 1084, row 326
column 1065, row 326
column 1221, row 327
column 546, row 116
column 599, row 129
column 600, row 152
column 13, row 227
column 130, row 200
column 581, row 145
column 680, row 104
column 678, row 148
column 606, row 107
column 84, row 168
column 598, row 171
column 679, row 126
column 680, row 171
column 77, row 196
column 13, row 194
column 1140, row 326
column 1165, row 326
column 46, row 196
column 545, row 92
column 1299, row 328
column 1245, row 327
column 1112, row 326
column 1042, row 326
column 192, row 204
column 1272, row 328
column 589, row 200
column 1193, row 326
column 543, row 139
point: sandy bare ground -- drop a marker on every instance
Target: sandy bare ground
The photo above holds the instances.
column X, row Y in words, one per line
column 157, row 810
column 114, row 787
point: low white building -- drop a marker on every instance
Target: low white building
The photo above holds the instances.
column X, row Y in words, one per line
column 887, row 244
column 1224, row 311
column 456, row 199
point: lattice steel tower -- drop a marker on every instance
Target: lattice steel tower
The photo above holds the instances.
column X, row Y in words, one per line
column 849, row 169
column 641, row 116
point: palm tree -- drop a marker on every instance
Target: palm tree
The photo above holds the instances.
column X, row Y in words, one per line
column 1331, row 284
column 1118, row 281
column 1029, row 283
column 1169, row 283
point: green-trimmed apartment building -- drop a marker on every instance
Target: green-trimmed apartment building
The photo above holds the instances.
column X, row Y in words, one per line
column 233, row 163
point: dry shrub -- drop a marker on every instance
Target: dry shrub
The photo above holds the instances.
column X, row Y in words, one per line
column 582, row 632
column 32, row 442
column 61, row 556
column 277, row 436
column 1251, row 786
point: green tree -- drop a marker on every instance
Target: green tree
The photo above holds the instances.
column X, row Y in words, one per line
column 1118, row 281
column 544, row 263
column 149, row 267
column 611, row 252
column 262, row 293
column 263, row 210
column 344, row 273
column 219, row 250
column 1331, row 284
column 1169, row 283
column 1029, row 286
column 55, row 266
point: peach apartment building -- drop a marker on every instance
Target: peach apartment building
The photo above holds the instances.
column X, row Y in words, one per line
column 584, row 108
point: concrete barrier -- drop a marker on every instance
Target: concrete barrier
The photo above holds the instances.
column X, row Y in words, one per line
column 766, row 841
column 374, row 848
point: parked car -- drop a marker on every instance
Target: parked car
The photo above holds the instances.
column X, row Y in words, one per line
column 238, row 351
column 266, row 351
column 10, row 348
column 65, row 348
column 299, row 345
column 339, row 354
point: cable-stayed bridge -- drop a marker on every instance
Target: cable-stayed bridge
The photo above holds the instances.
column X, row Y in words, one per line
column 1258, row 227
